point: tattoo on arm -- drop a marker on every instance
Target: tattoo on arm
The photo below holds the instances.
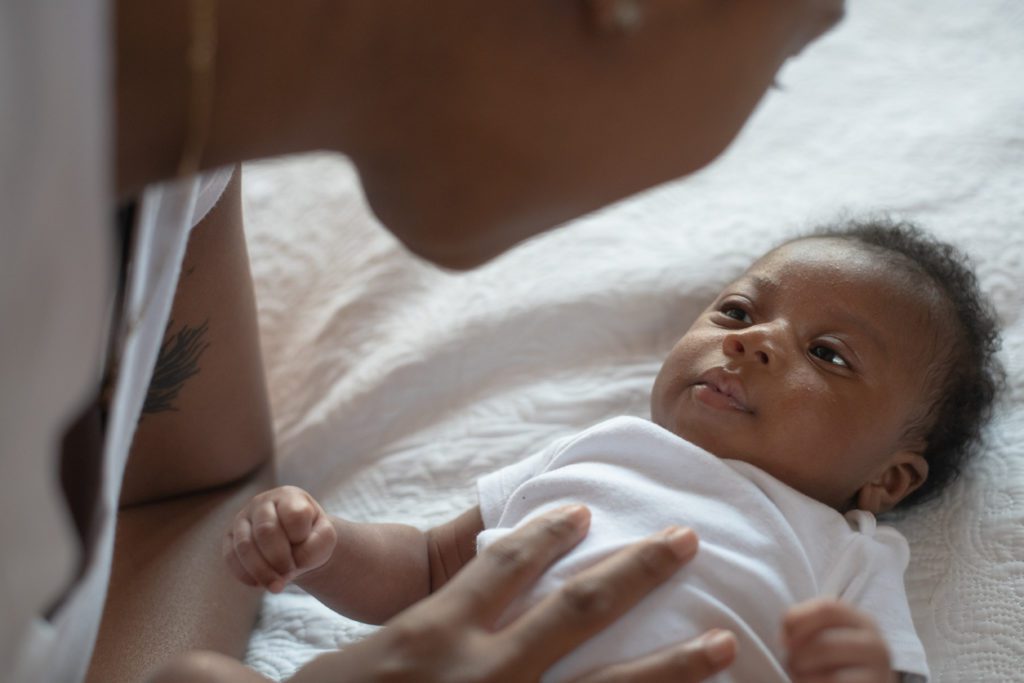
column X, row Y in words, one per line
column 178, row 360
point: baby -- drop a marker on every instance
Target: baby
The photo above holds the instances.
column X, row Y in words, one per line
column 841, row 375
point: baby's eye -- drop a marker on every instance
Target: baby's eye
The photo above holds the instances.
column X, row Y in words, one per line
column 736, row 314
column 829, row 356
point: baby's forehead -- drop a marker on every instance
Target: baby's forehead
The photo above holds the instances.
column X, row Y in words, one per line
column 838, row 262
column 835, row 274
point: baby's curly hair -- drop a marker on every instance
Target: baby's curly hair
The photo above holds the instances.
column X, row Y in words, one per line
column 972, row 377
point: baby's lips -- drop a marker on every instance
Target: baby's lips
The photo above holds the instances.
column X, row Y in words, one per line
column 729, row 385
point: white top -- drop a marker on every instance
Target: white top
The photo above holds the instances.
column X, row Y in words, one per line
column 57, row 270
column 763, row 546
column 55, row 282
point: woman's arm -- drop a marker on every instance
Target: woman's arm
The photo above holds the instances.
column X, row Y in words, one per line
column 203, row 447
column 169, row 592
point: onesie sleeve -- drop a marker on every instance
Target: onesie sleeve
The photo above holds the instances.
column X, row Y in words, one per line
column 495, row 488
column 869, row 575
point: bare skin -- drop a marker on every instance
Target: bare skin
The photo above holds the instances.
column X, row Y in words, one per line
column 466, row 142
column 192, row 463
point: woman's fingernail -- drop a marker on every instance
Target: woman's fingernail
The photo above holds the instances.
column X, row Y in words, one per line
column 575, row 514
column 682, row 541
column 720, row 647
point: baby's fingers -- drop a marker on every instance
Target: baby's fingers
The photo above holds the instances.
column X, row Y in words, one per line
column 318, row 547
column 297, row 512
column 805, row 620
column 843, row 654
column 249, row 556
column 271, row 538
column 232, row 561
column 842, row 676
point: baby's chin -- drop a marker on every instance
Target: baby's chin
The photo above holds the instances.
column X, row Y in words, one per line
column 712, row 440
column 715, row 442
column 728, row 440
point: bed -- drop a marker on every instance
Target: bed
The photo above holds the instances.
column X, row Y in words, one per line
column 395, row 385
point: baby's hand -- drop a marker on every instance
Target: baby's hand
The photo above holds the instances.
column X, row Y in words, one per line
column 280, row 535
column 829, row 642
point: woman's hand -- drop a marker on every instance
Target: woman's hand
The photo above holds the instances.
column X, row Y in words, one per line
column 452, row 636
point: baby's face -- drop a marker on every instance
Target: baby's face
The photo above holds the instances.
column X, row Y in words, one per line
column 811, row 366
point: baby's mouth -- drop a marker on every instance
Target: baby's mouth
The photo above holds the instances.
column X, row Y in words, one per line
column 719, row 389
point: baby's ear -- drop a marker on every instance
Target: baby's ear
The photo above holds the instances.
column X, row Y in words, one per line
column 903, row 474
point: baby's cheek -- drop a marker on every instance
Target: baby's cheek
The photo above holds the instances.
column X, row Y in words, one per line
column 665, row 394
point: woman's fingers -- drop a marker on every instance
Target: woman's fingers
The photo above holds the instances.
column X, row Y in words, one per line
column 452, row 634
column 205, row 667
column 593, row 599
column 689, row 662
column 485, row 587
column 836, row 648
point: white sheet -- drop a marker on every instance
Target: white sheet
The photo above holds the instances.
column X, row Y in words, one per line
column 395, row 385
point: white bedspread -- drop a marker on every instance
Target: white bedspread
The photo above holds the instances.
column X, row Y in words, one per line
column 395, row 385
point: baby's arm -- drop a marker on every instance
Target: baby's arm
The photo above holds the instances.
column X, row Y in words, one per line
column 831, row 641
column 368, row 572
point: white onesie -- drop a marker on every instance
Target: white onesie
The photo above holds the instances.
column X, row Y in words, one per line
column 763, row 547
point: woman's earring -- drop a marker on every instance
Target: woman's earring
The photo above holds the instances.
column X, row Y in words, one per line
column 616, row 16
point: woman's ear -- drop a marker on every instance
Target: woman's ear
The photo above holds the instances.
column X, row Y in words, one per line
column 902, row 475
column 615, row 16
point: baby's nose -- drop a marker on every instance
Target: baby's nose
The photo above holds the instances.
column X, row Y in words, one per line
column 752, row 345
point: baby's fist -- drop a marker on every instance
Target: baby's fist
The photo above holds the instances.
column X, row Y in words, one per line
column 278, row 536
column 829, row 641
